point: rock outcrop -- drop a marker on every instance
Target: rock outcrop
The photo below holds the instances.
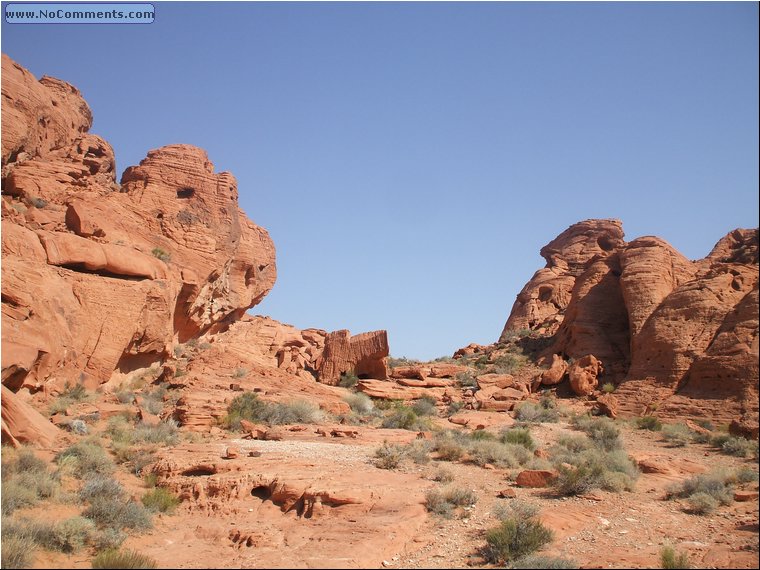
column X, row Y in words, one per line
column 682, row 336
column 363, row 354
column 99, row 277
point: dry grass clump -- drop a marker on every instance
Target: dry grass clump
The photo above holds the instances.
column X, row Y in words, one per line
column 25, row 480
column 113, row 558
column 85, row 459
column 669, row 558
column 519, row 535
column 705, row 492
column 389, row 455
column 444, row 502
column 160, row 500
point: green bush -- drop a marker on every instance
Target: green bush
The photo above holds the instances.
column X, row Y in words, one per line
column 113, row 558
column 669, row 558
column 515, row 538
column 594, row 469
column 389, row 456
column 544, row 562
column 348, row 379
column 518, row 436
column 160, row 500
column 404, row 417
column 85, row 459
column 650, row 423
column 608, row 388
column 678, row 435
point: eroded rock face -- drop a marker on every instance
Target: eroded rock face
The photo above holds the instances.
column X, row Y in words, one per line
column 99, row 277
column 364, row 354
column 584, row 374
column 682, row 334
column 545, row 297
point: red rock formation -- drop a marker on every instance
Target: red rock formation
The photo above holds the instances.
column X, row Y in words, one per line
column 364, row 354
column 545, row 297
column 96, row 279
column 683, row 335
column 584, row 374
column 23, row 424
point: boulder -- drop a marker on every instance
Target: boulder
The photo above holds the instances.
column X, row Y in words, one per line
column 535, row 478
column 584, row 375
column 556, row 371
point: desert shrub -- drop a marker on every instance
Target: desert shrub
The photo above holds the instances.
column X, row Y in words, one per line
column 425, row 406
column 702, row 503
column 574, row 443
column 436, row 503
column 540, row 562
column 481, row 435
column 35, row 531
column 153, row 401
column 113, row 558
column 508, row 363
column 745, row 474
column 160, row 500
column 348, row 379
column 100, row 487
column 108, row 538
column 498, row 454
column 669, row 558
column 247, row 406
column 239, row 372
column 393, row 362
column 404, row 417
column 71, row 394
column 516, row 508
column 159, row 253
column 448, row 447
column 85, row 459
column 678, row 435
column 739, row 447
column 515, row 538
column 389, row 456
column 608, row 388
column 443, row 475
column 595, row 469
column 518, row 436
column 419, row 451
column 25, row 480
column 712, row 484
column 359, row 403
column 72, row 534
column 125, row 396
column 444, row 502
column 163, row 433
column 134, row 458
column 719, row 439
column 602, row 431
column 114, row 513
column 528, row 412
column 453, row 408
column 651, row 423
column 466, row 380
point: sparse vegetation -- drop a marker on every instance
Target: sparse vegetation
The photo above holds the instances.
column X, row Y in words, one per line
column 348, row 379
column 389, row 456
column 248, row 406
column 498, row 454
column 651, row 423
column 518, row 536
column 404, row 417
column 402, row 361
column 704, row 492
column 602, row 431
column 739, row 447
column 25, row 480
column 444, row 502
column 160, row 500
column 359, row 403
column 114, row 513
column 159, row 253
column 539, row 562
column 608, row 388
column 425, row 406
column 443, row 475
column 518, row 436
column 467, row 380
column 71, row 395
column 678, row 435
column 544, row 412
column 669, row 558
column 113, row 558
column 508, row 363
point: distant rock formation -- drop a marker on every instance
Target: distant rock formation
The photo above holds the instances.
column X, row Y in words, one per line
column 681, row 336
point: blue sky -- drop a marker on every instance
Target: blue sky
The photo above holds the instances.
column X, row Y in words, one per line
column 410, row 160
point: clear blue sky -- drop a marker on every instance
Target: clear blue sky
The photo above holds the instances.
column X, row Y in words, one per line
column 410, row 160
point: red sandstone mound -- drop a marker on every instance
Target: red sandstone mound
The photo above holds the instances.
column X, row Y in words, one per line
column 681, row 335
